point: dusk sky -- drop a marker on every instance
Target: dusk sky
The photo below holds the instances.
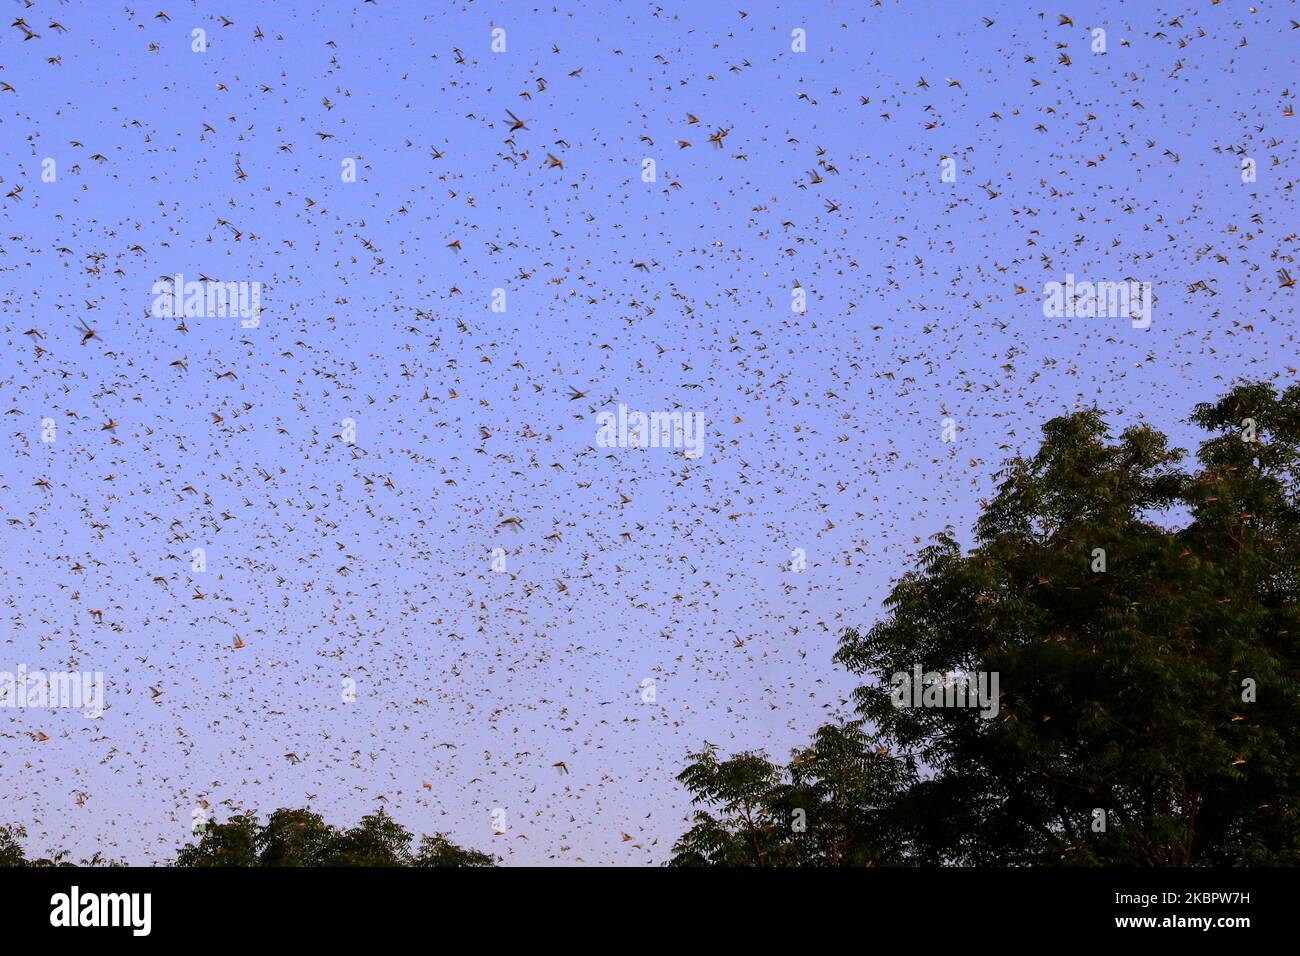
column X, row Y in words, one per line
column 629, row 573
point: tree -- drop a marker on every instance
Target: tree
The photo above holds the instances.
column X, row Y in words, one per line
column 1142, row 625
column 11, row 849
column 303, row 838
column 287, row 838
column 237, row 842
column 828, row 807
column 292, row 838
column 437, row 850
column 12, row 854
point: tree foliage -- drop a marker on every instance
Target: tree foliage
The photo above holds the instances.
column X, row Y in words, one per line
column 828, row 807
column 290, row 838
column 303, row 838
column 1142, row 621
column 12, row 853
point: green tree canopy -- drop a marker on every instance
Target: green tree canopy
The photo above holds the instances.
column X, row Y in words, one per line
column 303, row 838
column 12, row 853
column 288, row 838
column 1142, row 622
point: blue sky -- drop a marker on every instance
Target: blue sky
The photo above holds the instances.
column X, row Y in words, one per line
column 371, row 562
